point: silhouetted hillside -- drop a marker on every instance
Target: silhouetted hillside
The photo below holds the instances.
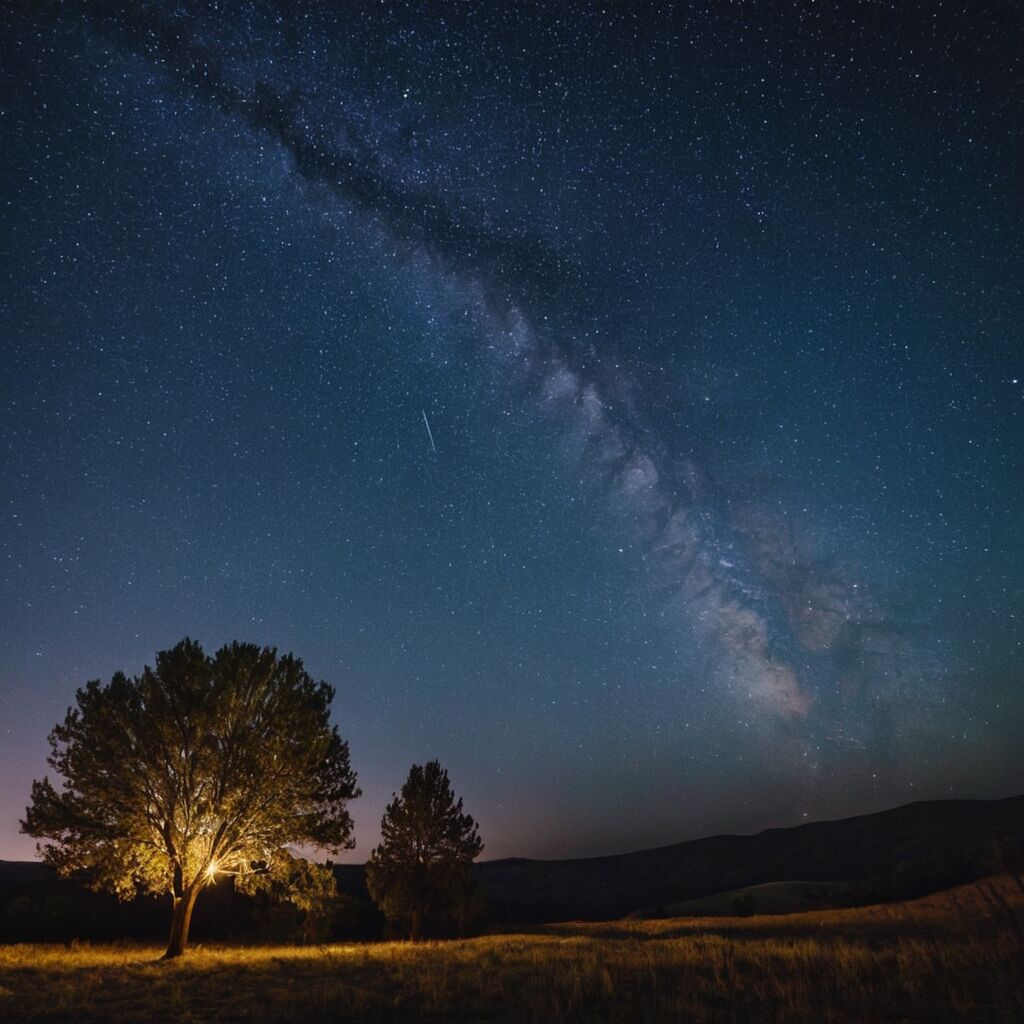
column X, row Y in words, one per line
column 895, row 854
column 901, row 853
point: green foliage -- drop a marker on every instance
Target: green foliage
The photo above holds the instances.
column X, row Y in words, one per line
column 470, row 908
column 309, row 887
column 198, row 767
column 421, row 866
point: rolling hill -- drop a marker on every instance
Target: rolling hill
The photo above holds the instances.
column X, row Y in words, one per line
column 901, row 853
column 896, row 854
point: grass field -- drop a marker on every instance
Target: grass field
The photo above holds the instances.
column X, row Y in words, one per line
column 958, row 956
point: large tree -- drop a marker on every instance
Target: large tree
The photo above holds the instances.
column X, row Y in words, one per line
column 198, row 767
column 427, row 846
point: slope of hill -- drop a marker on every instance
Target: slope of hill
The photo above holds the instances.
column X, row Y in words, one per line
column 894, row 854
column 768, row 898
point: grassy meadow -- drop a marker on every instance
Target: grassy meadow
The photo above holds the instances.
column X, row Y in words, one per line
column 957, row 956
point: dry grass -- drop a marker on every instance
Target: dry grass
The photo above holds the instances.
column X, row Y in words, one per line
column 957, row 957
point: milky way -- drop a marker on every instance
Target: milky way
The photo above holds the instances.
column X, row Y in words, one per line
column 750, row 609
column 789, row 630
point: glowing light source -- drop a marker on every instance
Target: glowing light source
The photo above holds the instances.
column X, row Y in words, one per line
column 211, row 870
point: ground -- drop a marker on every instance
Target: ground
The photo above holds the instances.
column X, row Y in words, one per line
column 951, row 957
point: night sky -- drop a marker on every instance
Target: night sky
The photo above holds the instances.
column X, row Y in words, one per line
column 622, row 404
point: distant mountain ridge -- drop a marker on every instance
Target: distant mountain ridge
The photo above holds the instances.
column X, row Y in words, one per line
column 900, row 853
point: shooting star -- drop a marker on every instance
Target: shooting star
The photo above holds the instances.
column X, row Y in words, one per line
column 430, row 433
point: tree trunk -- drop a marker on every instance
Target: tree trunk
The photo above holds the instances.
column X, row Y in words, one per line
column 417, row 925
column 181, row 918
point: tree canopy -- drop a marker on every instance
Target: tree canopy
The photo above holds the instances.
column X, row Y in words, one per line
column 427, row 847
column 198, row 767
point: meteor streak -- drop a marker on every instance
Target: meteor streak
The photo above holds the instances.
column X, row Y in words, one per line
column 430, row 434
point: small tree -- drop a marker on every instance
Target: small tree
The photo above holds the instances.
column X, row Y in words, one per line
column 427, row 847
column 313, row 889
column 197, row 768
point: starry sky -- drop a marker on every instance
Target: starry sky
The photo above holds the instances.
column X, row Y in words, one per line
column 623, row 404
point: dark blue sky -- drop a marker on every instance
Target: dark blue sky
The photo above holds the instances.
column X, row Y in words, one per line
column 714, row 315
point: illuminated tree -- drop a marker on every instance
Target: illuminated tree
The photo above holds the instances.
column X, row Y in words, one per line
column 200, row 767
column 427, row 846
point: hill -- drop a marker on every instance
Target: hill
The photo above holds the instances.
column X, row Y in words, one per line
column 896, row 854
column 769, row 898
